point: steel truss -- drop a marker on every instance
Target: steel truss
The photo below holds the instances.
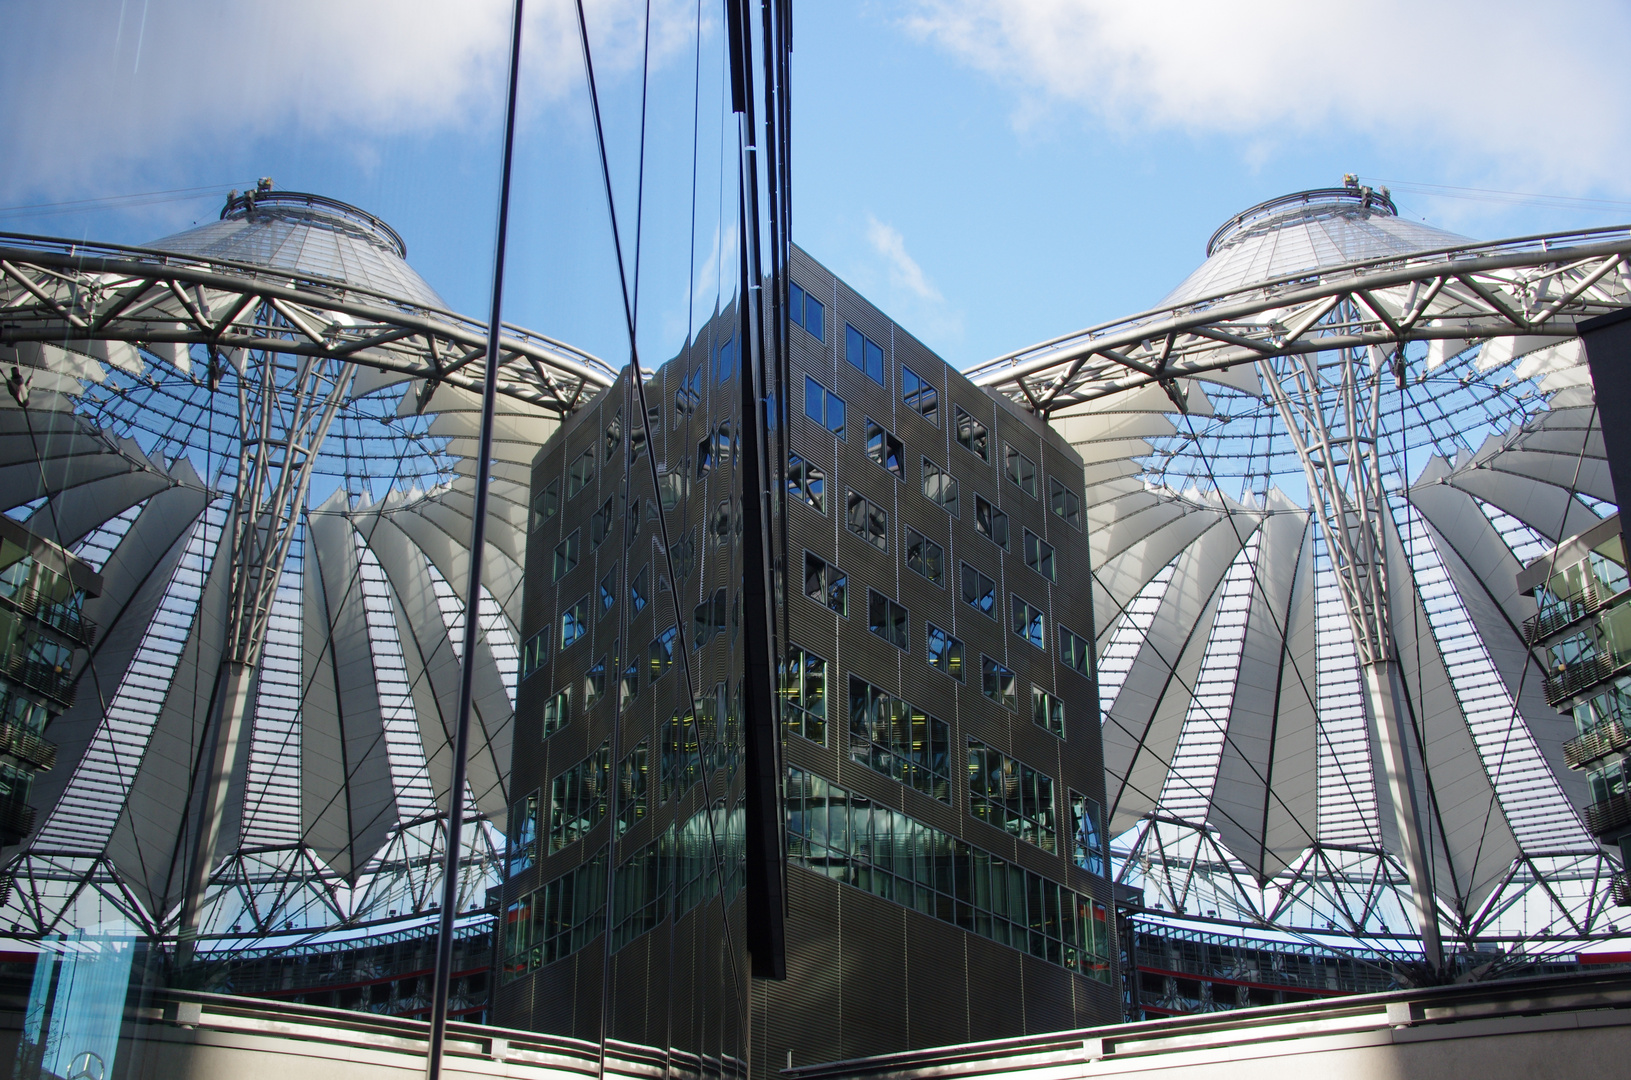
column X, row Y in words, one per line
column 102, row 298
column 1541, row 285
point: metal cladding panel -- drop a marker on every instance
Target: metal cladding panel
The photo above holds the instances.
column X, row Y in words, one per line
column 937, row 1012
column 133, row 585
column 348, row 798
column 1050, row 997
column 1471, row 844
column 1263, row 800
column 873, row 962
column 1144, row 724
column 999, row 991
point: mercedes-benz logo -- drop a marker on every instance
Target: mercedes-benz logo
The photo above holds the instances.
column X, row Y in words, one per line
column 86, row 1066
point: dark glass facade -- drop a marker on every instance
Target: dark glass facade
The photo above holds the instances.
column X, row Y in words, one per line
column 939, row 766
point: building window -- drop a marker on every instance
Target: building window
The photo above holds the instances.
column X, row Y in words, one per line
column 838, row 834
column 1039, row 556
column 600, row 526
column 1047, row 712
column 594, row 682
column 575, row 622
column 566, row 555
column 945, row 652
column 535, row 653
column 725, row 523
column 803, row 309
column 888, row 620
column 979, row 591
column 997, row 683
column 556, row 713
column 577, row 798
column 920, row 396
column 687, row 396
column 940, row 487
column 824, row 407
column 826, row 584
column 1087, row 832
column 804, row 693
column 673, row 484
column 631, row 779
column 884, row 449
column 973, row 434
column 725, row 359
column 1022, row 472
column 925, row 557
column 582, row 473
column 1064, row 502
column 661, row 652
column 899, row 740
column 682, row 555
column 546, row 503
column 807, row 483
column 1073, row 650
column 708, row 619
column 1026, row 621
column 990, row 522
column 1012, row 796
column 629, row 689
column 522, row 835
column 614, row 434
column 640, row 590
column 868, row 520
column 863, row 354
column 608, row 591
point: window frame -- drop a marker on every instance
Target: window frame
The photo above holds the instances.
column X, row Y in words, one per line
column 968, row 429
column 1028, row 622
column 950, row 504
column 938, row 579
column 895, row 624
column 980, row 581
column 873, row 512
column 1033, row 489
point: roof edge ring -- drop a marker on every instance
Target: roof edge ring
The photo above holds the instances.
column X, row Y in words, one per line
column 242, row 205
column 1357, row 196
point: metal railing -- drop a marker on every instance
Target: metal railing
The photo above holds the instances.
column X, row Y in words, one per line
column 16, row 818
column 32, row 601
column 1583, row 675
column 1608, row 814
column 23, row 744
column 56, row 683
column 1549, row 620
column 1619, row 890
column 1602, row 740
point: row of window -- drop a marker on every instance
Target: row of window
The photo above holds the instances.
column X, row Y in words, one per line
column 893, row 737
column 889, row 854
column 827, row 585
column 1010, row 795
column 693, row 862
column 827, row 409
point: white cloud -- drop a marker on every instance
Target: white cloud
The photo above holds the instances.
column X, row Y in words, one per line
column 904, row 272
column 1503, row 87
column 99, row 91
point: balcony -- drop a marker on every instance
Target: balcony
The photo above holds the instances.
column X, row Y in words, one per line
column 1609, row 815
column 1619, row 890
column 31, row 602
column 1582, row 675
column 26, row 746
column 1604, row 739
column 1544, row 624
column 56, row 683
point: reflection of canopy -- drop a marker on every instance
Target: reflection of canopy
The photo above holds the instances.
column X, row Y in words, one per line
column 1233, row 682
column 128, row 453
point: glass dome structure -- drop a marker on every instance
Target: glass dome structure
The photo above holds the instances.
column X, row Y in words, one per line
column 1314, row 474
column 258, row 432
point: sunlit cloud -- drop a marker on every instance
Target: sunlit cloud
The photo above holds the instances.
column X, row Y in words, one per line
column 98, row 92
column 904, row 272
column 1499, row 87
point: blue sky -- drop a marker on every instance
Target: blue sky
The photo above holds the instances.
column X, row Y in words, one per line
column 991, row 174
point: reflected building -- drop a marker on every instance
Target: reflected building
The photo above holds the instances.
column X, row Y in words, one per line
column 939, row 770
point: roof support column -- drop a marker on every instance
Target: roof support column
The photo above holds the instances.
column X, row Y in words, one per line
column 229, row 708
column 1382, row 688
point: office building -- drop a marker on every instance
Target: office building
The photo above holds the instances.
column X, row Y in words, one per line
column 941, row 779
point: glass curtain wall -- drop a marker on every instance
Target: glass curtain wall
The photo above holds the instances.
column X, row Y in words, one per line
column 249, row 266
